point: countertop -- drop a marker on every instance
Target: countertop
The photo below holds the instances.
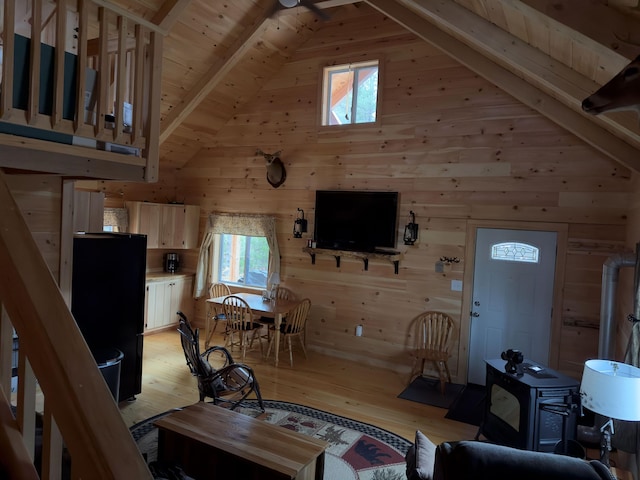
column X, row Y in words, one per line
column 164, row 276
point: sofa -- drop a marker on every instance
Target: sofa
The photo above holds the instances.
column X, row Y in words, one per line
column 486, row 461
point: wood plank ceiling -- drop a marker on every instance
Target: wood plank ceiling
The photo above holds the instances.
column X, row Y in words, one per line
column 549, row 54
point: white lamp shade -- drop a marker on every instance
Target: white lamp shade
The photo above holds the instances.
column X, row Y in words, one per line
column 288, row 3
column 611, row 389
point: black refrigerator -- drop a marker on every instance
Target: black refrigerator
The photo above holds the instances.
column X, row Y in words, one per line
column 108, row 299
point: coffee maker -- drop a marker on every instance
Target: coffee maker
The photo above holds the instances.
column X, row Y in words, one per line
column 171, row 262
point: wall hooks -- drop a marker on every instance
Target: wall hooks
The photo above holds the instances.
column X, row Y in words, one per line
column 449, row 260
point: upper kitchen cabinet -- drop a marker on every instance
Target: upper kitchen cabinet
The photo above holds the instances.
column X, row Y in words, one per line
column 88, row 211
column 165, row 225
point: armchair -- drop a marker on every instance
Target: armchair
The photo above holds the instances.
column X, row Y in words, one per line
column 230, row 383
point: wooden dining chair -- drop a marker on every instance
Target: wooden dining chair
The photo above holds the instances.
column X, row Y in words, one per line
column 215, row 314
column 294, row 328
column 282, row 293
column 433, row 340
column 240, row 322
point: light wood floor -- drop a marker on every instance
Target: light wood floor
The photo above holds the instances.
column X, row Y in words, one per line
column 338, row 386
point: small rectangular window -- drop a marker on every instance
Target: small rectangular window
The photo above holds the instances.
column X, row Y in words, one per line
column 243, row 260
column 350, row 93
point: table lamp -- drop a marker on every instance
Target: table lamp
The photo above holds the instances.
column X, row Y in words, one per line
column 610, row 389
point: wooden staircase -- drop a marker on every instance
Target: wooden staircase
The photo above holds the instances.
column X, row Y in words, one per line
column 79, row 411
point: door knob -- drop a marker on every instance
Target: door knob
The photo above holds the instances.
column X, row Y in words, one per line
column 475, row 314
column 476, row 303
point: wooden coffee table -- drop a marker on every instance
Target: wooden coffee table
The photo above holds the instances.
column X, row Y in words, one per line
column 208, row 441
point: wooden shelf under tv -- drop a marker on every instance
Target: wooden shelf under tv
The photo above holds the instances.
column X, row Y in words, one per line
column 393, row 257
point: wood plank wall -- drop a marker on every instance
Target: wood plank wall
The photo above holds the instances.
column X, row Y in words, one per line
column 39, row 198
column 455, row 147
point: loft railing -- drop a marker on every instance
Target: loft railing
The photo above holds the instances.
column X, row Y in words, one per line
column 79, row 80
column 78, row 410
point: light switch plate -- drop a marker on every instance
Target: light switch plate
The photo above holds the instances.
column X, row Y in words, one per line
column 456, row 285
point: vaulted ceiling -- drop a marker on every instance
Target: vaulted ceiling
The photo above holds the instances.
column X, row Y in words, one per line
column 549, row 54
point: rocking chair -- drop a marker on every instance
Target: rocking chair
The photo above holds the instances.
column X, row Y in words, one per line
column 229, row 384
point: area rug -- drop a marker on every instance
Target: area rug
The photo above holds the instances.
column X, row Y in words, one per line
column 427, row 391
column 357, row 450
column 469, row 406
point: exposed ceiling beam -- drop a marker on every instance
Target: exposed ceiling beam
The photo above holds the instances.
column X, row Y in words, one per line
column 164, row 18
column 438, row 21
column 127, row 14
column 212, row 77
column 614, row 34
column 536, row 67
column 169, row 13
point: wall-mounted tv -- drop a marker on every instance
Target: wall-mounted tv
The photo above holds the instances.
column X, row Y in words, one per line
column 356, row 220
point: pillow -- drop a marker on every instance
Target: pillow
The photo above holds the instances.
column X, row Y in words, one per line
column 420, row 458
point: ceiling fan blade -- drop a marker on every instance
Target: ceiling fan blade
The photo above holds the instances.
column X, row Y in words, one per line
column 312, row 6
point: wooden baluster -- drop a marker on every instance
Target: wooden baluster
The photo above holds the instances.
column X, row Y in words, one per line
column 103, row 72
column 58, row 74
column 33, row 105
column 120, row 80
column 26, row 402
column 52, row 447
column 6, row 350
column 16, row 459
column 83, row 22
column 153, row 114
column 138, row 87
column 8, row 53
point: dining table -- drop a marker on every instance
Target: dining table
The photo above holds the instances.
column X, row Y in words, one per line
column 276, row 308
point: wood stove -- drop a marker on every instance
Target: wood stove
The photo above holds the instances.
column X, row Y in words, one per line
column 532, row 409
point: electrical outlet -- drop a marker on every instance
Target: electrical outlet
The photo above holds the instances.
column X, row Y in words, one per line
column 456, row 285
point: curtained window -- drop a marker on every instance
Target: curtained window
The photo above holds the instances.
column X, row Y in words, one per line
column 234, row 224
column 116, row 219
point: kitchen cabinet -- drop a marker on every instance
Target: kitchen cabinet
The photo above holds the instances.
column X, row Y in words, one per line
column 166, row 225
column 166, row 297
column 88, row 211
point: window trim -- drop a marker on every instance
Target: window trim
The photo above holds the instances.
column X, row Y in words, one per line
column 372, row 59
column 238, row 224
column 496, row 248
column 214, row 274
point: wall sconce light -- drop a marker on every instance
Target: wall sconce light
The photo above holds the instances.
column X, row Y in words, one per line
column 300, row 225
column 411, row 230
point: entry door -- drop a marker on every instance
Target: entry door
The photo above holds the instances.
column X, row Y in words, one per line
column 512, row 296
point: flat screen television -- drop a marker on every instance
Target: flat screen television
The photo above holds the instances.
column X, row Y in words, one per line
column 363, row 221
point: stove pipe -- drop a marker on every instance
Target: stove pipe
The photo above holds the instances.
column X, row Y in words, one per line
column 610, row 272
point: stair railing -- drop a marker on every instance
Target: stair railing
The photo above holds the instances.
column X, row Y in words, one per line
column 89, row 86
column 79, row 410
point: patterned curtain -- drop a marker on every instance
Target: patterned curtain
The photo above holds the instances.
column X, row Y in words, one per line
column 118, row 218
column 235, row 224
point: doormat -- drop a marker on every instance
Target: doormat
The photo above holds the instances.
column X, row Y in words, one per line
column 427, row 391
column 469, row 406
